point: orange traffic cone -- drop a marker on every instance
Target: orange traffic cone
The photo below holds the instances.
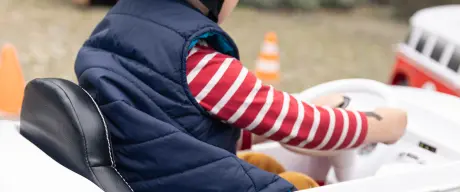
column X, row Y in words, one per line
column 12, row 82
column 268, row 64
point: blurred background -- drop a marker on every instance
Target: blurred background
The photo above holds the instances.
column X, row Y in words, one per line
column 320, row 40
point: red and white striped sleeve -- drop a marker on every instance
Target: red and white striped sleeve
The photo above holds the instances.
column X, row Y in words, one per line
column 225, row 88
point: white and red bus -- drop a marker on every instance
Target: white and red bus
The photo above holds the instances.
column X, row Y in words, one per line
column 430, row 55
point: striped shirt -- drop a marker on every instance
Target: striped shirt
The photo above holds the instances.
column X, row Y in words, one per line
column 227, row 90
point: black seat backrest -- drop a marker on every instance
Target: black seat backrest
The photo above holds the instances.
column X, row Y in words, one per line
column 63, row 120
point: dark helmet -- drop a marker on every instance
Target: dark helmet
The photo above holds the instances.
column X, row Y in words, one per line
column 214, row 7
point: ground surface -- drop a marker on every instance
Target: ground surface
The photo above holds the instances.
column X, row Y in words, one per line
column 315, row 47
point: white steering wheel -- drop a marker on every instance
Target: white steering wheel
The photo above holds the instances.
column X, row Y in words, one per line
column 345, row 160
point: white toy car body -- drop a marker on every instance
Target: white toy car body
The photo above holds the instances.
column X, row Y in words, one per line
column 426, row 159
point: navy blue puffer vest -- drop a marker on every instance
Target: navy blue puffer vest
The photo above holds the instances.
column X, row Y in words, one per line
column 134, row 66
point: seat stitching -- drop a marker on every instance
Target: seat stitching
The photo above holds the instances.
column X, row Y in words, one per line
column 108, row 140
column 81, row 132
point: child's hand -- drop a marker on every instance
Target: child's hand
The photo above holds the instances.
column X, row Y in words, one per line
column 255, row 139
column 386, row 125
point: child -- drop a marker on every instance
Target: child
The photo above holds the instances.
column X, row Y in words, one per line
column 175, row 97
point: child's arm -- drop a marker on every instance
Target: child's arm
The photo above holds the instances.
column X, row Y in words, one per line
column 248, row 139
column 228, row 90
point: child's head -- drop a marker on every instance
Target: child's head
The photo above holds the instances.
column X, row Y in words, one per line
column 207, row 6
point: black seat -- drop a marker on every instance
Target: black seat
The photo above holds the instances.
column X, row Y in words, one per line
column 63, row 120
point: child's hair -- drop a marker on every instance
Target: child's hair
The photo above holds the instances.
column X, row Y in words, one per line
column 199, row 5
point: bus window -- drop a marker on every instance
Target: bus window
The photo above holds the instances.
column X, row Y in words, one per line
column 454, row 62
column 421, row 43
column 407, row 40
column 438, row 50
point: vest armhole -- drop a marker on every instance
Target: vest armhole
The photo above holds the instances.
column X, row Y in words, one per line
column 218, row 40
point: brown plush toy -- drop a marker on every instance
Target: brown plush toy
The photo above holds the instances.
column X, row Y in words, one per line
column 267, row 163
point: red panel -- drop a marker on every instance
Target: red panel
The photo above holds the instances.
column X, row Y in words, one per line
column 418, row 76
